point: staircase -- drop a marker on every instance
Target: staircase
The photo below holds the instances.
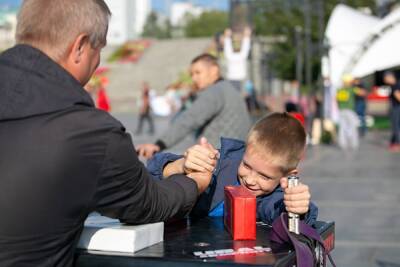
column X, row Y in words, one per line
column 160, row 65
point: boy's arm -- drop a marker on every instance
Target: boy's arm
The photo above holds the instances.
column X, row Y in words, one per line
column 159, row 161
column 311, row 216
column 270, row 207
column 198, row 158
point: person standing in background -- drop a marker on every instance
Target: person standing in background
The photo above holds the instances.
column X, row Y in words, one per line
column 360, row 104
column 390, row 79
column 250, row 95
column 348, row 120
column 145, row 110
column 236, row 58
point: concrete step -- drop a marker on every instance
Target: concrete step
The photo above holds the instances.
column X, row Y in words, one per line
column 160, row 65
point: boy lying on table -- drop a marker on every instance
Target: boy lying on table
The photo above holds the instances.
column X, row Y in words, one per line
column 273, row 150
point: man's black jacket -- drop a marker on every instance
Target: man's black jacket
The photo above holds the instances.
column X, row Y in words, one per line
column 60, row 159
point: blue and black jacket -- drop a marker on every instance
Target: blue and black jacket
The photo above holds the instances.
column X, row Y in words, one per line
column 210, row 203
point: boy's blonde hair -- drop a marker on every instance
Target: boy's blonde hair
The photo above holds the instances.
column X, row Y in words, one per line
column 52, row 25
column 280, row 136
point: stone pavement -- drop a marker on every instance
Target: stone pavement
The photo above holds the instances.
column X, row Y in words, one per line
column 360, row 191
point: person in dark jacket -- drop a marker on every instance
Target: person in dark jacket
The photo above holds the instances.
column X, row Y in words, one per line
column 60, row 157
column 390, row 79
column 360, row 104
column 145, row 110
column 273, row 150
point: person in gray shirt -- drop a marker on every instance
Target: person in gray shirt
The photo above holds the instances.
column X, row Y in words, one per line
column 218, row 110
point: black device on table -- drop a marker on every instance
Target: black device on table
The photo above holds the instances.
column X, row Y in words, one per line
column 203, row 241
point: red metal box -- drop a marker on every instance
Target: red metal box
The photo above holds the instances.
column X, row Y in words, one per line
column 240, row 213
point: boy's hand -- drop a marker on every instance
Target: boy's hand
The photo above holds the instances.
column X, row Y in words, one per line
column 200, row 158
column 296, row 199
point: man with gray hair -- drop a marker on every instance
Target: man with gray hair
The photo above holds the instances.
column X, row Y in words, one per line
column 61, row 158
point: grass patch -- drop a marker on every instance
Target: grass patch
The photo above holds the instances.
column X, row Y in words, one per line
column 381, row 123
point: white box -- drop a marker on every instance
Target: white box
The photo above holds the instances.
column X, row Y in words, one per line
column 106, row 234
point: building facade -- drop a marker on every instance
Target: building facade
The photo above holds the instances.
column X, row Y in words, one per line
column 8, row 23
column 180, row 10
column 127, row 20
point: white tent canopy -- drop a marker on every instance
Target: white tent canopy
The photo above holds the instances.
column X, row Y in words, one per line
column 360, row 45
column 345, row 33
column 382, row 48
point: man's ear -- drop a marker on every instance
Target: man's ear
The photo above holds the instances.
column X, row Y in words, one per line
column 215, row 71
column 78, row 47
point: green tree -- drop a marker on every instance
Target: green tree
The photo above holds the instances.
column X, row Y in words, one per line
column 280, row 18
column 154, row 29
column 207, row 24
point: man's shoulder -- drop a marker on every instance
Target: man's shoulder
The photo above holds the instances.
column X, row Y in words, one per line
column 224, row 84
column 93, row 119
column 219, row 89
column 218, row 85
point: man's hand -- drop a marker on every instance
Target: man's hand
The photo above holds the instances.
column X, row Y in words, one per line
column 202, row 179
column 200, row 158
column 296, row 199
column 147, row 150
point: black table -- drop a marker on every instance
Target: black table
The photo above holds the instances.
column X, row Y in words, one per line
column 207, row 237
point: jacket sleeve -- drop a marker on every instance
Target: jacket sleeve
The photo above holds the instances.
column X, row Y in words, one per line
column 127, row 192
column 156, row 164
column 271, row 206
column 203, row 109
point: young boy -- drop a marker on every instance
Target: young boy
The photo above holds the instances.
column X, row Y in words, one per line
column 273, row 150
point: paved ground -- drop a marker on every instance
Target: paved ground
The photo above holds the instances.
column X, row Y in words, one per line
column 360, row 191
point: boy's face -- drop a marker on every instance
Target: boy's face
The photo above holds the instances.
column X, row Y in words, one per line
column 260, row 174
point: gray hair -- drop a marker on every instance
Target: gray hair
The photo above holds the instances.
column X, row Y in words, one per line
column 52, row 25
column 389, row 73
